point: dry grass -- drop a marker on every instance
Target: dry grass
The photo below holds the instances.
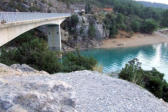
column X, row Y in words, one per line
column 98, row 68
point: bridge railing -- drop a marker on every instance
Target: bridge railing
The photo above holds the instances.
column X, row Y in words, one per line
column 10, row 17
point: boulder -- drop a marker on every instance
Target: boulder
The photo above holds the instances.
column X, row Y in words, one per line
column 23, row 68
column 35, row 93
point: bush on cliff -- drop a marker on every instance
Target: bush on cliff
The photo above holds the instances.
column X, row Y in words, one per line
column 151, row 80
column 71, row 24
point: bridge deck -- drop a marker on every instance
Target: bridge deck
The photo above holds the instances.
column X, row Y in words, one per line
column 13, row 17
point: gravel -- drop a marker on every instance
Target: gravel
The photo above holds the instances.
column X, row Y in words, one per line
column 100, row 93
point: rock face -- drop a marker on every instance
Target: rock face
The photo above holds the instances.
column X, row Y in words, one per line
column 38, row 6
column 31, row 5
column 81, row 38
column 35, row 93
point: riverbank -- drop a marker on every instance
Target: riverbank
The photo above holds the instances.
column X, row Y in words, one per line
column 137, row 39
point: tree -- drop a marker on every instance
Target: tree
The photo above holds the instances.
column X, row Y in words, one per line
column 120, row 21
column 148, row 26
column 75, row 61
column 164, row 21
column 111, row 24
column 71, row 23
column 152, row 80
column 91, row 30
column 88, row 8
column 135, row 26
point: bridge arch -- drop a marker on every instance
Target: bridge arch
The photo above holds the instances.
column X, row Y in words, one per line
column 12, row 30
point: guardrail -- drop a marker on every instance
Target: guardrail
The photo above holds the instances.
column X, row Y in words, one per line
column 13, row 17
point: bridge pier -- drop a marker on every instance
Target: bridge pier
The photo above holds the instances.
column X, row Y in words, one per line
column 54, row 37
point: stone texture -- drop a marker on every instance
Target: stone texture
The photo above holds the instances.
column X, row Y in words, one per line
column 23, row 67
column 35, row 93
column 96, row 92
column 17, row 69
column 90, row 92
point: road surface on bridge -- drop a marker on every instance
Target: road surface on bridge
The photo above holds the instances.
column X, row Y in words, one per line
column 13, row 17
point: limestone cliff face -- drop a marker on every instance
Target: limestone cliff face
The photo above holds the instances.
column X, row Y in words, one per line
column 81, row 38
column 38, row 6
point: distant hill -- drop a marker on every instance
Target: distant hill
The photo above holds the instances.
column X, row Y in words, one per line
column 156, row 5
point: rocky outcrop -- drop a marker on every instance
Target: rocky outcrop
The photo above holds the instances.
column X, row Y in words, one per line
column 20, row 94
column 32, row 6
column 30, row 92
column 90, row 92
column 17, row 69
column 81, row 39
column 38, row 6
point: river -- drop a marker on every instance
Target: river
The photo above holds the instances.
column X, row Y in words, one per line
column 113, row 60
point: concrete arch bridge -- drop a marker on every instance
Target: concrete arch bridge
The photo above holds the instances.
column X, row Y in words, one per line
column 13, row 24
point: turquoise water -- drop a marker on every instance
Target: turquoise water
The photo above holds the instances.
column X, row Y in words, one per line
column 113, row 60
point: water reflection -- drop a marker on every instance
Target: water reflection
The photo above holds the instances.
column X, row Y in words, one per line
column 113, row 60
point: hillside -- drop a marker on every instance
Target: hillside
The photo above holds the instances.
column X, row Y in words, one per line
column 156, row 5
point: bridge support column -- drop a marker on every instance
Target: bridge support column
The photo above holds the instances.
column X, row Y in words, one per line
column 54, row 37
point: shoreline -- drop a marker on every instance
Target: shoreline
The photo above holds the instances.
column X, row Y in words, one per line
column 136, row 40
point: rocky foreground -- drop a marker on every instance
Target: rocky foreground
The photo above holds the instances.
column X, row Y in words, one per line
column 82, row 91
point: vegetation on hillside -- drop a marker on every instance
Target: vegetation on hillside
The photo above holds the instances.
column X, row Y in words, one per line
column 151, row 80
column 34, row 51
column 130, row 17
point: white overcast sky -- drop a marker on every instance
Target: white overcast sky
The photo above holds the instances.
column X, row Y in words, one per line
column 156, row 1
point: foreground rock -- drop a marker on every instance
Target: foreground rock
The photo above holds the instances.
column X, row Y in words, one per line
column 35, row 93
column 17, row 69
column 90, row 92
column 99, row 93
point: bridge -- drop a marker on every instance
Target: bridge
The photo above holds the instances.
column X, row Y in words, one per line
column 13, row 24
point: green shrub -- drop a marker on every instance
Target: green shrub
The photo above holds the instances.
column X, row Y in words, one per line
column 151, row 80
column 148, row 26
column 74, row 62
column 132, row 72
column 91, row 31
column 165, row 92
column 110, row 23
column 70, row 24
column 34, row 52
column 135, row 25
column 164, row 21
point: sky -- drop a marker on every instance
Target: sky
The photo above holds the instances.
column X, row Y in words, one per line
column 157, row 1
